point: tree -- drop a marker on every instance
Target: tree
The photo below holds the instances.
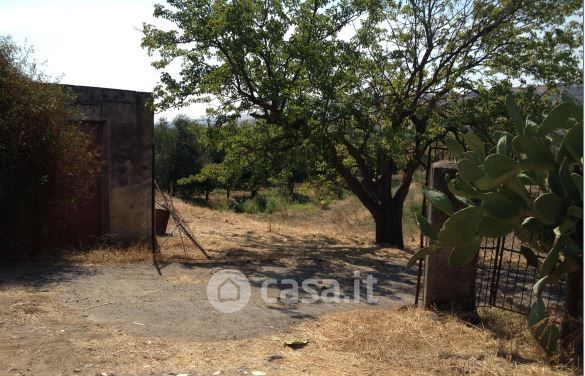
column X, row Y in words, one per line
column 248, row 147
column 244, row 158
column 44, row 157
column 164, row 143
column 212, row 176
column 245, row 154
column 492, row 182
column 484, row 113
column 370, row 104
column 178, row 149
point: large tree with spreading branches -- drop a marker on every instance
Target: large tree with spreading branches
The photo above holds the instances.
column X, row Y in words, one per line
column 366, row 81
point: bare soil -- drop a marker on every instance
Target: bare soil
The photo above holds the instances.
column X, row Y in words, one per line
column 95, row 313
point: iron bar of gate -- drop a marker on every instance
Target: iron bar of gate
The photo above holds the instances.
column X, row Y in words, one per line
column 515, row 281
column 481, row 260
column 499, row 255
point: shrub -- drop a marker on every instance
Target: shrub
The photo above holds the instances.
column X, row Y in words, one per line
column 275, row 203
column 44, row 157
column 248, row 206
column 265, row 202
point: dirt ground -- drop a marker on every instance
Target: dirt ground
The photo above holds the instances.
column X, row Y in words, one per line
column 95, row 314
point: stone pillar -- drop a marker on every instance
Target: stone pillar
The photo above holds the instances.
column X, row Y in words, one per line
column 446, row 288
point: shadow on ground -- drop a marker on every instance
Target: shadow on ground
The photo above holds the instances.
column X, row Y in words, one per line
column 41, row 274
column 140, row 301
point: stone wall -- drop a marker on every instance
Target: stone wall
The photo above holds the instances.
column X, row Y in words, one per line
column 127, row 138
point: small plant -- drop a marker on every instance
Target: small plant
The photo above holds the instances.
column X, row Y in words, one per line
column 270, row 201
column 248, row 206
column 493, row 184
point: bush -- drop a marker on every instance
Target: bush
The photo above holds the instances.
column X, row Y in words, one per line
column 265, row 202
column 44, row 157
column 323, row 191
column 248, row 206
column 275, row 203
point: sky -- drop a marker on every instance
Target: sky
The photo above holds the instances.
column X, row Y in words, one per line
column 88, row 42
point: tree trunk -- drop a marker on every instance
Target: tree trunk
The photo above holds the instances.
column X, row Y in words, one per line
column 206, row 195
column 376, row 194
column 290, row 187
column 389, row 226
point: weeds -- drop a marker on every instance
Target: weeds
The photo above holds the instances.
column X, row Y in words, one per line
column 269, row 202
column 308, row 200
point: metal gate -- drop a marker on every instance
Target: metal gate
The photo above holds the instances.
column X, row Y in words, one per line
column 504, row 278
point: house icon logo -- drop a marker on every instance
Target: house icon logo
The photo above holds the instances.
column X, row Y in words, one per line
column 228, row 290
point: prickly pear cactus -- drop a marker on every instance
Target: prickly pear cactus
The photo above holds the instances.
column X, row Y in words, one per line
column 493, row 184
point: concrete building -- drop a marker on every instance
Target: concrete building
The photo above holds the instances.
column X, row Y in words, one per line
column 119, row 205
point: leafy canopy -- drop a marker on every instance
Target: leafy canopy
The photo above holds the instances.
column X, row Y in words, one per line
column 364, row 81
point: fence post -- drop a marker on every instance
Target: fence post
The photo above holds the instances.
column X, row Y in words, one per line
column 446, row 288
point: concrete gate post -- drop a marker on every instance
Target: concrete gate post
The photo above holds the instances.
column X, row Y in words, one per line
column 446, row 288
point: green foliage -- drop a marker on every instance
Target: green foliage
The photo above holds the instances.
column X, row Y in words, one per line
column 325, row 186
column 44, row 157
column 270, row 201
column 179, row 149
column 249, row 206
column 425, row 227
column 439, row 200
column 420, row 254
column 549, row 223
column 250, row 150
column 242, row 155
column 356, row 102
column 211, row 176
column 486, row 112
column 454, row 146
column 274, row 200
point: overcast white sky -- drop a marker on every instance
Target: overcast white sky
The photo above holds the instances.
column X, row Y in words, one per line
column 85, row 42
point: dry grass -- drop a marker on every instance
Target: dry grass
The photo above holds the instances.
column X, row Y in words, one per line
column 414, row 341
column 229, row 236
column 366, row 342
column 102, row 254
column 515, row 339
column 512, row 330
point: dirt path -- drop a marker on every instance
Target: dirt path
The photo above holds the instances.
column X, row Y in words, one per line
column 175, row 305
column 57, row 317
column 50, row 327
column 98, row 313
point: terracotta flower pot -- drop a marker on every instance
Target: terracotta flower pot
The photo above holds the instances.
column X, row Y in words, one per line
column 161, row 220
